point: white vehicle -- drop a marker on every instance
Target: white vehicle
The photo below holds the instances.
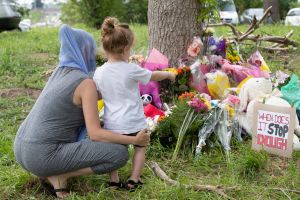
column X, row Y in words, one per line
column 293, row 17
column 228, row 13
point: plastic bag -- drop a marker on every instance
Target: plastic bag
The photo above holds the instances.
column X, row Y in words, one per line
column 223, row 129
column 291, row 92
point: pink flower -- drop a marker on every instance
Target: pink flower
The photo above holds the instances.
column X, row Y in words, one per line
column 198, row 105
column 232, row 100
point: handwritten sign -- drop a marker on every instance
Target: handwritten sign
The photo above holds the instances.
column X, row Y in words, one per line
column 273, row 129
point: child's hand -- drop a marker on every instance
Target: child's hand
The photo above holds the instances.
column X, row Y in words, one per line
column 172, row 76
column 142, row 138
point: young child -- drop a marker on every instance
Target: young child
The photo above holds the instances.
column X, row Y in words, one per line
column 117, row 80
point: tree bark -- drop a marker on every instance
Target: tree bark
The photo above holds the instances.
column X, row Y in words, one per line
column 275, row 15
column 172, row 25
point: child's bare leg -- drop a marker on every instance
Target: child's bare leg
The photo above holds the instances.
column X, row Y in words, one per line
column 138, row 163
column 114, row 176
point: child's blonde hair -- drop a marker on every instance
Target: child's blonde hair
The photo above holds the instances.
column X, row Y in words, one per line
column 115, row 36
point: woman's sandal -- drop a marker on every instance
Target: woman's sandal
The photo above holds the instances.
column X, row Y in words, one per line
column 116, row 185
column 134, row 185
column 49, row 188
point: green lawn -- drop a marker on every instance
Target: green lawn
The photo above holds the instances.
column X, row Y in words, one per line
column 24, row 59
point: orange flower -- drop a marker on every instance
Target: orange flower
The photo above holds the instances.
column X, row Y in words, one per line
column 180, row 70
column 161, row 118
column 187, row 69
column 186, row 95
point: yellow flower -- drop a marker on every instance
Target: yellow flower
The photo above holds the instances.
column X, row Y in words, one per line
column 171, row 69
column 207, row 103
column 230, row 111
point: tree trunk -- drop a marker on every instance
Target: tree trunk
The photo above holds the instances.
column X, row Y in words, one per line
column 172, row 25
column 275, row 15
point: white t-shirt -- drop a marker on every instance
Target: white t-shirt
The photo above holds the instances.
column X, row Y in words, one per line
column 123, row 107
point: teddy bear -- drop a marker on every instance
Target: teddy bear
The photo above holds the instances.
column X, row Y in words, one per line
column 253, row 91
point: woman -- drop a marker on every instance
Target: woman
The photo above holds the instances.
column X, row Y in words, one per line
column 46, row 143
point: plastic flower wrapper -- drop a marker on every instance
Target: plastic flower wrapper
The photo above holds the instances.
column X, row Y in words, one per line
column 197, row 80
column 207, row 129
column 280, row 79
column 223, row 130
column 156, row 60
column 257, row 60
column 233, row 103
column 217, row 83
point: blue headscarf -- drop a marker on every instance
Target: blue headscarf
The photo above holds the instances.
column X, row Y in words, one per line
column 78, row 50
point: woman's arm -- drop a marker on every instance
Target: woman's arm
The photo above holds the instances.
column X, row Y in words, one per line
column 87, row 92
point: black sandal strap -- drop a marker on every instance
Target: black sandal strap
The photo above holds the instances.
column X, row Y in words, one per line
column 132, row 182
column 61, row 190
column 116, row 184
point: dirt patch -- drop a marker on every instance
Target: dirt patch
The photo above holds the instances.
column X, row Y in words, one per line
column 16, row 92
column 277, row 166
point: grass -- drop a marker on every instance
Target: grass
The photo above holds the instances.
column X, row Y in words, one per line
column 24, row 57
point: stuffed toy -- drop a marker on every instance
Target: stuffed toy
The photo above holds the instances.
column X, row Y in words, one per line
column 152, row 88
column 146, row 99
column 254, row 90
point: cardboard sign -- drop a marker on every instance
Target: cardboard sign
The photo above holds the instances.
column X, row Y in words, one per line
column 273, row 129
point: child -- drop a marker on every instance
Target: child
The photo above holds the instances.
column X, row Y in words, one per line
column 117, row 80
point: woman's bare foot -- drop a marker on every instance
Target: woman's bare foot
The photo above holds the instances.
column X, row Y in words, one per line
column 59, row 182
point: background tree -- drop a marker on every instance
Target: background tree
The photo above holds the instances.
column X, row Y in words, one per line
column 172, row 25
column 136, row 11
column 275, row 15
column 91, row 12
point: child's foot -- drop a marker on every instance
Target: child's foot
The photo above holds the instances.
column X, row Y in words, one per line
column 133, row 184
column 116, row 185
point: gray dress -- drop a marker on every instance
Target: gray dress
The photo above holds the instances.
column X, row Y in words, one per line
column 46, row 144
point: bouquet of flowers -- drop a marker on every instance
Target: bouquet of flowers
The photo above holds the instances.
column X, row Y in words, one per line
column 170, row 91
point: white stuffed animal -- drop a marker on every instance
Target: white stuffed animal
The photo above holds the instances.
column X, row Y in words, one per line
column 252, row 91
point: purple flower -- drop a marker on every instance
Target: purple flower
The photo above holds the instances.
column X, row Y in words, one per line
column 221, row 48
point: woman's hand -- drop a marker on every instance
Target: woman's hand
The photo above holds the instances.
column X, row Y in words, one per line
column 142, row 138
